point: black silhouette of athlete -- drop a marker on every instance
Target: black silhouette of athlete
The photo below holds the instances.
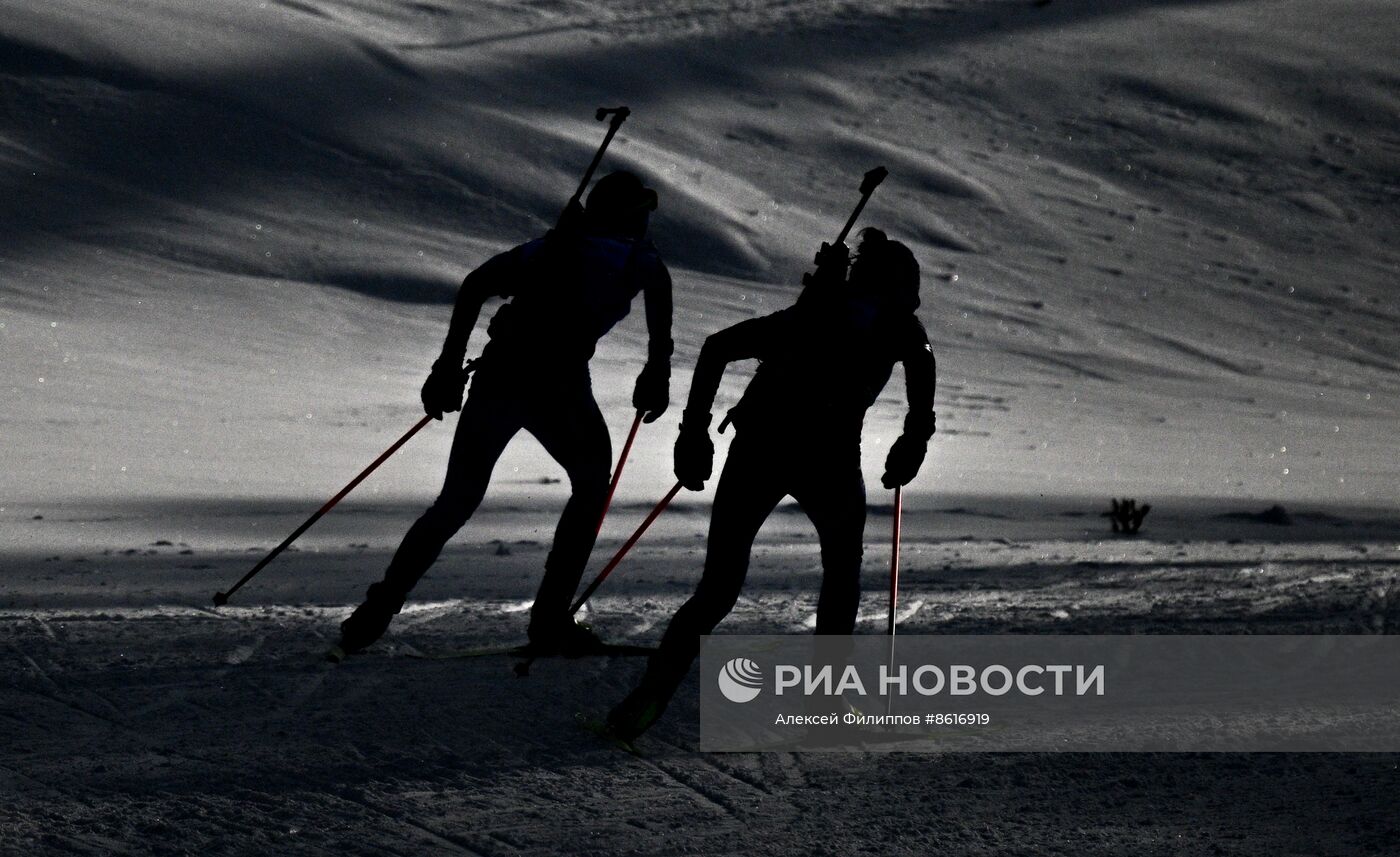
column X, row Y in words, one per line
column 566, row 291
column 798, row 425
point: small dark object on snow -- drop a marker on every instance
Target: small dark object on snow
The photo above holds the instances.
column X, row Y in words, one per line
column 502, row 550
column 1275, row 514
column 1126, row 515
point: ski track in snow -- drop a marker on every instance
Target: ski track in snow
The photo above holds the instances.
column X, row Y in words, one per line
column 228, row 727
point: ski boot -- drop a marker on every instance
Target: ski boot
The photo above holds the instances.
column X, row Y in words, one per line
column 365, row 626
column 563, row 638
column 635, row 715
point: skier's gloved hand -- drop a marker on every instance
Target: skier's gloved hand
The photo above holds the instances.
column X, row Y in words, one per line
column 695, row 452
column 652, row 394
column 903, row 463
column 443, row 391
column 907, row 453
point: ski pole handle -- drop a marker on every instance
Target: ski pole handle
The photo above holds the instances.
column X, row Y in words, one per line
column 619, row 115
column 221, row 598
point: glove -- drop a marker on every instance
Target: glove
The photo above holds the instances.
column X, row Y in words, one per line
column 905, row 458
column 695, row 452
column 443, row 391
column 652, row 394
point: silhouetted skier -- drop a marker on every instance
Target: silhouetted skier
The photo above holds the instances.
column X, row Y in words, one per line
column 798, row 425
column 567, row 290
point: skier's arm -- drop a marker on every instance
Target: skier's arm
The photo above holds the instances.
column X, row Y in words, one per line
column 491, row 279
column 652, row 393
column 920, row 379
column 695, row 452
column 446, row 384
column 742, row 341
column 907, row 452
column 656, row 295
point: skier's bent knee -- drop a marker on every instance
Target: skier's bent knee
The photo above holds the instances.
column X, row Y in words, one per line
column 592, row 484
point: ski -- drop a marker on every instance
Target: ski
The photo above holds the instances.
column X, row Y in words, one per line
column 526, row 651
column 335, row 654
column 452, row 654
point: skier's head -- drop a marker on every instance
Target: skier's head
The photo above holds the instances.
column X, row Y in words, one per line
column 620, row 204
column 885, row 271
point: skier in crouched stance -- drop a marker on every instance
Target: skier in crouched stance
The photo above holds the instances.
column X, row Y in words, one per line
column 823, row 363
column 567, row 290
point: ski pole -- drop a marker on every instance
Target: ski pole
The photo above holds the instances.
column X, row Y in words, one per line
column 894, row 555
column 894, row 583
column 619, row 115
column 522, row 669
column 617, row 472
column 626, row 546
column 221, row 598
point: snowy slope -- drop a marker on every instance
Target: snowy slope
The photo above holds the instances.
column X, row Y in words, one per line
column 1154, row 235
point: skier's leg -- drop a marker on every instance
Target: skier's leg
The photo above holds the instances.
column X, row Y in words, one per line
column 832, row 493
column 749, row 489
column 834, row 499
column 485, row 426
column 572, row 430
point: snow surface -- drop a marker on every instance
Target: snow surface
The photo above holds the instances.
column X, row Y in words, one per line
column 1158, row 252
